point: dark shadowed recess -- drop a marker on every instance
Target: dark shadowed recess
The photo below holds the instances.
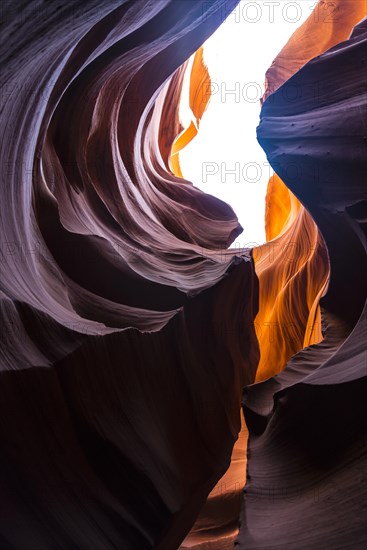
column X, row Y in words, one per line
column 118, row 445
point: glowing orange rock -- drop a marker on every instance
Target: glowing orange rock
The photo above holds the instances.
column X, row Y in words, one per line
column 329, row 24
column 198, row 102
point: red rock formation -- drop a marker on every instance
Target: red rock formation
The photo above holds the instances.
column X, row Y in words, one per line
column 123, row 356
column 129, row 326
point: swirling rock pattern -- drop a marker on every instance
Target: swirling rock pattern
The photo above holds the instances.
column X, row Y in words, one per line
column 129, row 329
column 120, row 388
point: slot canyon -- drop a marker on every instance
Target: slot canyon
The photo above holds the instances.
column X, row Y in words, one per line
column 160, row 388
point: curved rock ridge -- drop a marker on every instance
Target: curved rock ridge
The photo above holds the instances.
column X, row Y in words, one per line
column 124, row 354
column 71, row 225
column 306, row 487
column 329, row 24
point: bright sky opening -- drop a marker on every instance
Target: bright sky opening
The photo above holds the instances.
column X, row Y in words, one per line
column 225, row 159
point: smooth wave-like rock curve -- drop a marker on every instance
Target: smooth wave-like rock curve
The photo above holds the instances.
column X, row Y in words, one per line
column 84, row 200
column 124, row 353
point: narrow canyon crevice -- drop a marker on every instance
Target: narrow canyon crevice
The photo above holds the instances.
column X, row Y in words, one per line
column 132, row 334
